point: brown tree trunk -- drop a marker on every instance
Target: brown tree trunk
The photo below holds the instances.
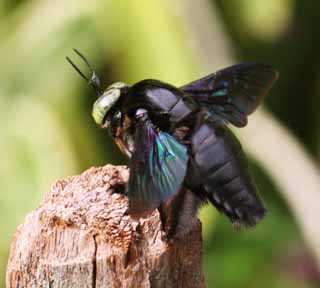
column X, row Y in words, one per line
column 81, row 236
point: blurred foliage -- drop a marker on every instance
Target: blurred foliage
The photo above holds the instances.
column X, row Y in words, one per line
column 45, row 110
column 293, row 49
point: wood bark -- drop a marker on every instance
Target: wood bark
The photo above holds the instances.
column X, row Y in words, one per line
column 81, row 236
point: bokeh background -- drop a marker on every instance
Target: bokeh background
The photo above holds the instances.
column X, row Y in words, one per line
column 47, row 132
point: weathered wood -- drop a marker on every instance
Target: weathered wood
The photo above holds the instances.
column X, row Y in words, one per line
column 81, row 236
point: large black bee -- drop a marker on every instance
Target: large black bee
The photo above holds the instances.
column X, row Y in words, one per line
column 178, row 138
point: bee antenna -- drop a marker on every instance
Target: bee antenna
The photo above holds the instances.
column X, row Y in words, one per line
column 94, row 81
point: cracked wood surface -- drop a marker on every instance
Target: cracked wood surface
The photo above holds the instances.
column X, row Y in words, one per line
column 81, row 236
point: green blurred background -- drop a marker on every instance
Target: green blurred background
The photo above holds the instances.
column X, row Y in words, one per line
column 47, row 131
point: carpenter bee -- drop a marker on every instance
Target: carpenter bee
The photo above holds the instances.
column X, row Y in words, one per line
column 177, row 138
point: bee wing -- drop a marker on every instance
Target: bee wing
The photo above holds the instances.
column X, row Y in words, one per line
column 234, row 92
column 157, row 170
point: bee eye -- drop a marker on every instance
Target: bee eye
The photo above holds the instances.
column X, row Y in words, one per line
column 103, row 104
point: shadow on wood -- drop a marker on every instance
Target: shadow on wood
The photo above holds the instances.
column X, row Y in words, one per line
column 81, row 236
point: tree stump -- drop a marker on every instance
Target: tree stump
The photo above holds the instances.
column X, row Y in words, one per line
column 81, row 236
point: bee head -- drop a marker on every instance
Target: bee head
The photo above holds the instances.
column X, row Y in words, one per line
column 106, row 99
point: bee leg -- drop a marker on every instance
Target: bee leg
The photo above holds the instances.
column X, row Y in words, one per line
column 179, row 215
column 170, row 214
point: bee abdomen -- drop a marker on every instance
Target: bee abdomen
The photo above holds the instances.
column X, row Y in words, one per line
column 233, row 192
column 224, row 176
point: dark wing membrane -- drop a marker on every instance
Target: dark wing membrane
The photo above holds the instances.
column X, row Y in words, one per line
column 233, row 93
column 158, row 167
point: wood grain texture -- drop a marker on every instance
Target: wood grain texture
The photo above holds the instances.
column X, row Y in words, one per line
column 81, row 236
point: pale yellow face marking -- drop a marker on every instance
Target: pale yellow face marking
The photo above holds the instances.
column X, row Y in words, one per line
column 104, row 103
column 117, row 85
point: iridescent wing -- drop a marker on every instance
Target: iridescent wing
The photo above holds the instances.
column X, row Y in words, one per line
column 158, row 167
column 233, row 93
